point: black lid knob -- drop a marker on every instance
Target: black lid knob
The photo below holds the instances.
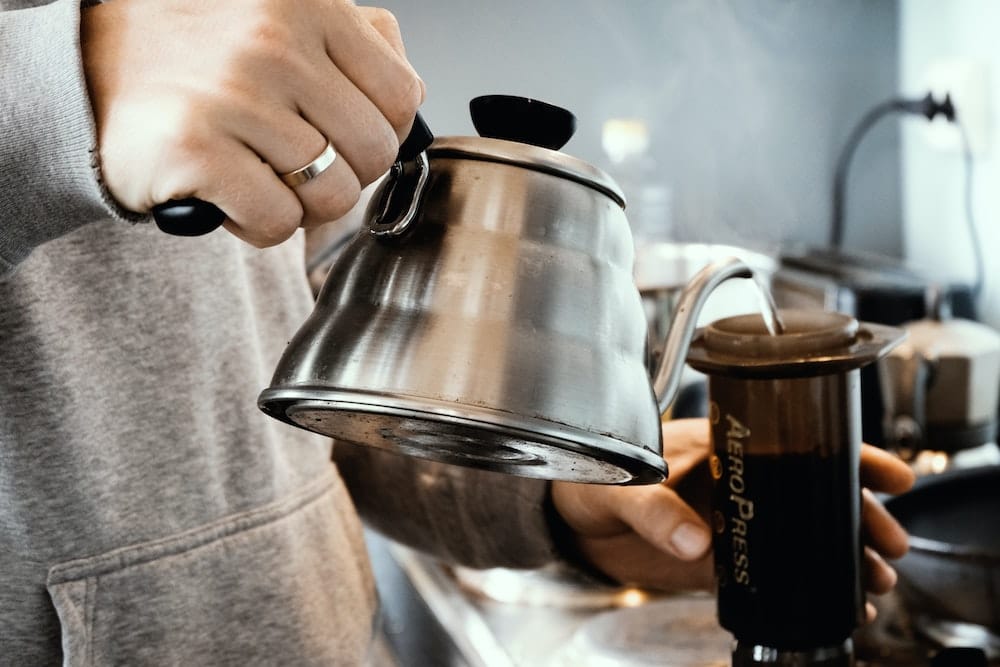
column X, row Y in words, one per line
column 522, row 119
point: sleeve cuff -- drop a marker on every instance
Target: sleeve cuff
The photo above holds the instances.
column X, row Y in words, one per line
column 50, row 177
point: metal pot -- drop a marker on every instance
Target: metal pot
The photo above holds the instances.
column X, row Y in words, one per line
column 952, row 571
column 940, row 389
column 486, row 316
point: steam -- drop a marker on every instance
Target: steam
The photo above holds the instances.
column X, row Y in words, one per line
column 729, row 92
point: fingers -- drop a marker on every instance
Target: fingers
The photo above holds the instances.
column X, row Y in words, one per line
column 382, row 100
column 655, row 513
column 353, row 44
column 192, row 110
column 881, row 530
column 661, row 517
column 261, row 211
column 885, row 472
column 631, row 560
column 367, row 75
column 365, row 141
column 657, row 519
column 883, row 536
column 879, row 577
column 285, row 141
column 385, row 23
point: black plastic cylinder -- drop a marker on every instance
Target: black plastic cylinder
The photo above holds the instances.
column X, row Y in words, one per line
column 786, row 510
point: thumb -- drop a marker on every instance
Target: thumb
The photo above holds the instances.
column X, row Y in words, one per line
column 662, row 518
column 656, row 513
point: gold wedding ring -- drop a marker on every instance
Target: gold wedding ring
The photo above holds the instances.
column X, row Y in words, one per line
column 311, row 170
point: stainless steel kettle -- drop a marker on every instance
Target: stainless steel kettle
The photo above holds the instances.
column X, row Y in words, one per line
column 487, row 315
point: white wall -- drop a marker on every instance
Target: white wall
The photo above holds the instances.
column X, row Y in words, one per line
column 749, row 100
column 935, row 236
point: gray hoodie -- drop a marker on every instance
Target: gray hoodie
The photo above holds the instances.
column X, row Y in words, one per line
column 149, row 513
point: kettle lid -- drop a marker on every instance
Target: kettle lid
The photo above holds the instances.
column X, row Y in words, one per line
column 528, row 133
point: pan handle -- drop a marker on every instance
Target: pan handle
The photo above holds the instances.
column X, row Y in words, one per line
column 960, row 656
column 905, row 389
column 196, row 217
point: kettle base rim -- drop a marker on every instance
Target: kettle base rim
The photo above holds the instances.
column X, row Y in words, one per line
column 461, row 434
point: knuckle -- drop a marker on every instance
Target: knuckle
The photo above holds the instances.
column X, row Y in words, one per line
column 236, row 88
column 269, row 34
column 333, row 203
column 385, row 24
column 383, row 20
column 405, row 100
column 281, row 216
column 189, row 135
column 267, row 42
column 379, row 156
column 277, row 230
column 189, row 140
column 187, row 156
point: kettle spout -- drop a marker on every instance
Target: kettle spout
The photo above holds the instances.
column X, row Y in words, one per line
column 668, row 373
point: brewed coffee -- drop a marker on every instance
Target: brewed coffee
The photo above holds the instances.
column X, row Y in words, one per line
column 788, row 554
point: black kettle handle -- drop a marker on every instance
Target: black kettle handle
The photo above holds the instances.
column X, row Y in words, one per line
column 188, row 217
column 416, row 142
column 195, row 217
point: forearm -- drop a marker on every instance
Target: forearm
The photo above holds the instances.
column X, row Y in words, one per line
column 49, row 176
column 464, row 516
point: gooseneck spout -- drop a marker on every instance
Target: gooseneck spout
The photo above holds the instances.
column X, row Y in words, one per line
column 685, row 319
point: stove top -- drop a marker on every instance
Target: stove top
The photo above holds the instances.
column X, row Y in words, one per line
column 899, row 637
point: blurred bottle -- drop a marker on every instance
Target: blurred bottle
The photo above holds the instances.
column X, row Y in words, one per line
column 626, row 144
column 631, row 164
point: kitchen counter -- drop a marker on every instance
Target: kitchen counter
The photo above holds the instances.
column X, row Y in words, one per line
column 451, row 617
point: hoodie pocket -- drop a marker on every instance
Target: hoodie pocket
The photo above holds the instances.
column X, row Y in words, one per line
column 288, row 583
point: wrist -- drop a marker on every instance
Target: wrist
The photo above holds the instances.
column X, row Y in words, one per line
column 566, row 549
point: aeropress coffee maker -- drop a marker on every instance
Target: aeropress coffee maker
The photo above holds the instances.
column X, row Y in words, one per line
column 785, row 417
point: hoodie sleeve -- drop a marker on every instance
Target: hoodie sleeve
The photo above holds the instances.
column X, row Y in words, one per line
column 50, row 180
column 464, row 516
